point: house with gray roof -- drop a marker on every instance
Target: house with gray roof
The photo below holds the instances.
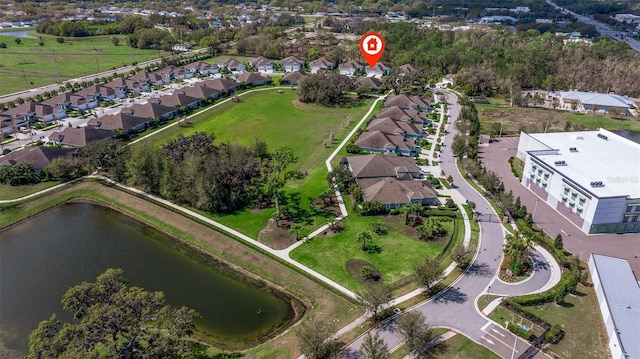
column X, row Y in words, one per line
column 80, row 136
column 395, row 192
column 292, row 63
column 388, row 125
column 177, row 99
column 223, row 85
column 371, row 83
column 232, row 65
column 407, row 115
column 200, row 91
column 119, row 86
column 378, row 166
column 38, row 156
column 381, row 142
column 121, row 121
column 292, row 78
column 252, row 79
column 262, row 64
column 378, row 70
column 322, row 64
column 350, row 67
column 408, row 102
column 406, row 69
column 202, row 68
column 94, row 93
column 153, row 111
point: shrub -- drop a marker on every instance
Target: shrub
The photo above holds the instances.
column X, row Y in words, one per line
column 515, row 329
column 367, row 272
column 352, row 148
column 60, row 40
column 450, row 203
column 554, row 335
column 3, row 45
column 372, row 208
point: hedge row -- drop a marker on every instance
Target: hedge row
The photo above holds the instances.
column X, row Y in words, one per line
column 518, row 309
column 515, row 329
column 567, row 283
column 539, row 238
column 554, row 335
column 440, row 212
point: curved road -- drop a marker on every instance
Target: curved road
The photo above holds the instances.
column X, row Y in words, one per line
column 455, row 306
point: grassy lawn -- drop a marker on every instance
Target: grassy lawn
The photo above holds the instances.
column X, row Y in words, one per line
column 397, row 254
column 533, row 119
column 29, row 65
column 279, row 120
column 456, row 347
column 12, row 192
column 585, row 335
column 580, row 318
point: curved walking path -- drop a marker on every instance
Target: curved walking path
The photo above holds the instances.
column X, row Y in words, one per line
column 452, row 307
column 455, row 307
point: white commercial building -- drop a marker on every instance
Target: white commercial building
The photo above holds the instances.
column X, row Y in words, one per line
column 619, row 300
column 592, row 178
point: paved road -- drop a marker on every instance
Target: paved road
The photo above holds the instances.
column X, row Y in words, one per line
column 455, row 306
column 603, row 29
column 625, row 246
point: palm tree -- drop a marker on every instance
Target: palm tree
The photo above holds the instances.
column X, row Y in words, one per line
column 296, row 228
column 518, row 247
column 364, row 237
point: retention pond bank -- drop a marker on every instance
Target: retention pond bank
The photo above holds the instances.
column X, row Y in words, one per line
column 42, row 257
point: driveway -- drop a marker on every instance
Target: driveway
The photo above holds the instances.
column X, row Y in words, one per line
column 496, row 156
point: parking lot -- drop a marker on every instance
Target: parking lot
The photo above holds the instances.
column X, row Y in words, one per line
column 496, row 158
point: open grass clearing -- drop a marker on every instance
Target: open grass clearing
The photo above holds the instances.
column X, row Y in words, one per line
column 279, row 120
column 534, row 119
column 28, row 65
column 326, row 303
column 13, row 192
column 395, row 257
column 456, row 347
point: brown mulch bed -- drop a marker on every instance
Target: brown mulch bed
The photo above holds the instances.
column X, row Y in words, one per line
column 277, row 237
column 339, row 227
column 331, row 207
column 354, row 266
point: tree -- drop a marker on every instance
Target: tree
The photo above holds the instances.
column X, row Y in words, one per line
column 373, row 347
column 377, row 227
column 364, row 237
column 517, row 248
column 557, row 242
column 280, row 159
column 428, row 273
column 65, row 169
column 113, row 320
column 459, row 145
column 374, row 297
column 18, row 41
column 115, row 41
column 314, row 338
column 461, row 254
column 324, row 88
column 431, row 229
column 414, row 329
column 296, row 228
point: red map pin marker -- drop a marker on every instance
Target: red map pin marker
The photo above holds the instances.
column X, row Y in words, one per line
column 372, row 47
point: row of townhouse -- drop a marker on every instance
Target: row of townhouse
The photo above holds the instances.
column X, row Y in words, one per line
column 397, row 127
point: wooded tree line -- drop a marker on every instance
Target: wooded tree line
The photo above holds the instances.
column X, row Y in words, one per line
column 483, row 60
column 215, row 178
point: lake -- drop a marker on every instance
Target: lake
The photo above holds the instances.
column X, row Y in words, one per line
column 42, row 257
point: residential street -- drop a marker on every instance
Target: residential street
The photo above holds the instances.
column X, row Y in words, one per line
column 455, row 307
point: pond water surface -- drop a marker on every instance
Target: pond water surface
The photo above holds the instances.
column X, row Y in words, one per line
column 42, row 257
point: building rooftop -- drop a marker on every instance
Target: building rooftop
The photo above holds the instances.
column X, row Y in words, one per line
column 599, row 156
column 622, row 294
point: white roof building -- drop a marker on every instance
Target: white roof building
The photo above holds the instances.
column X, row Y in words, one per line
column 618, row 294
column 591, row 177
column 588, row 101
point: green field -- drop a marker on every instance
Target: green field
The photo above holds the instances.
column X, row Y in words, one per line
column 396, row 259
column 28, row 65
column 279, row 120
column 456, row 347
column 534, row 119
column 12, row 192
